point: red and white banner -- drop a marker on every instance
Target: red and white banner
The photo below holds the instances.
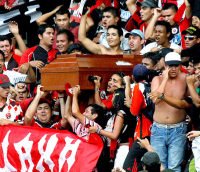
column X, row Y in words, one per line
column 28, row 149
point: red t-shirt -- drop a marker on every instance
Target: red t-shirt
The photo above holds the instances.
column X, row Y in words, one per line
column 108, row 101
column 28, row 55
column 139, row 103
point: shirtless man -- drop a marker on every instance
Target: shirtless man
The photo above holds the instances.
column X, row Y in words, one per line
column 168, row 130
column 114, row 37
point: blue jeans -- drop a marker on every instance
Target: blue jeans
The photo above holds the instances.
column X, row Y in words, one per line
column 169, row 142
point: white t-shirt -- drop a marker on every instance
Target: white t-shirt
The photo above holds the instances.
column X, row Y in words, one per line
column 152, row 45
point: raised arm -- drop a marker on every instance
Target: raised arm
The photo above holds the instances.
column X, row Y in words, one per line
column 97, row 97
column 14, row 29
column 68, row 111
column 131, row 5
column 149, row 32
column 188, row 9
column 75, row 106
column 33, row 106
column 127, row 80
column 42, row 19
column 87, row 43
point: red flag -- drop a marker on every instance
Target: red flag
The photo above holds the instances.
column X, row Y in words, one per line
column 38, row 149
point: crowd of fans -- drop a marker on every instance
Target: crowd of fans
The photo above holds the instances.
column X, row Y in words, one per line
column 149, row 121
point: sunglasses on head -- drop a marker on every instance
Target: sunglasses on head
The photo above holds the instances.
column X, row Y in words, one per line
column 189, row 37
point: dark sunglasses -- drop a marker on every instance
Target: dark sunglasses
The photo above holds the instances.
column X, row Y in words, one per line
column 190, row 38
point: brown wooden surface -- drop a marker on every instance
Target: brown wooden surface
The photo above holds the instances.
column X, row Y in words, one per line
column 75, row 69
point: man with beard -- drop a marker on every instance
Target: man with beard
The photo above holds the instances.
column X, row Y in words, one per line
column 169, row 127
column 162, row 37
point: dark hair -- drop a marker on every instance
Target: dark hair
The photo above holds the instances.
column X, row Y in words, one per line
column 100, row 112
column 42, row 28
column 3, row 55
column 118, row 101
column 153, row 168
column 44, row 100
column 68, row 33
column 63, row 11
column 170, row 6
column 6, row 38
column 75, row 46
column 153, row 56
column 195, row 60
column 121, row 75
column 118, row 28
column 166, row 25
column 114, row 11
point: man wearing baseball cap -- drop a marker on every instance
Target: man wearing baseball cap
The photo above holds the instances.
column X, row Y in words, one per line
column 10, row 111
column 135, row 41
column 168, row 94
column 191, row 36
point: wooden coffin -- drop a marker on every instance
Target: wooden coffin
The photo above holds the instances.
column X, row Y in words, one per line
column 75, row 69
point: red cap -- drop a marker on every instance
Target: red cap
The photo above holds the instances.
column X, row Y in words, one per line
column 4, row 81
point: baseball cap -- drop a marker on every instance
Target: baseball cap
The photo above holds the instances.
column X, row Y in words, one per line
column 192, row 30
column 150, row 158
column 4, row 81
column 140, row 72
column 148, row 3
column 135, row 32
column 173, row 58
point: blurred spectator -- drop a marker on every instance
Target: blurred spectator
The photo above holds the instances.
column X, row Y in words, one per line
column 151, row 162
column 11, row 59
column 11, row 112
